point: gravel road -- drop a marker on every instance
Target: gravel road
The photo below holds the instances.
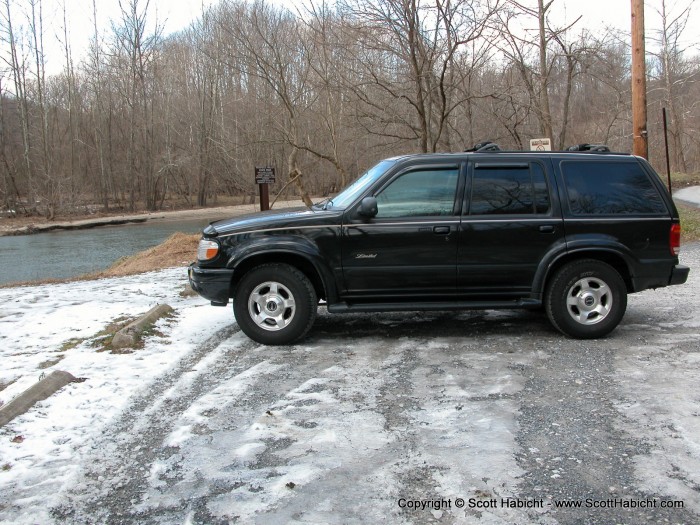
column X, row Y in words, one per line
column 478, row 417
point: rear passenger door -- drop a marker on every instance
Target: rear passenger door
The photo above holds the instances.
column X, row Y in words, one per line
column 510, row 223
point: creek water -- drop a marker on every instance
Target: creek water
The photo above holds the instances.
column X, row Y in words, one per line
column 63, row 254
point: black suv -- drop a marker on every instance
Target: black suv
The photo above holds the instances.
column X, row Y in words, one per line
column 570, row 232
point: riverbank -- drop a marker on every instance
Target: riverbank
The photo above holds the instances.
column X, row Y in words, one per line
column 30, row 225
column 178, row 250
column 73, row 252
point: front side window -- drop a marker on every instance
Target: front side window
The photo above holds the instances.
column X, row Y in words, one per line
column 419, row 193
column 509, row 190
column 349, row 194
column 610, row 188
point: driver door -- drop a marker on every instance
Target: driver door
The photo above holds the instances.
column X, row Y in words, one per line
column 409, row 249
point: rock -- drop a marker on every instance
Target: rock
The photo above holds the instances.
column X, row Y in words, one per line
column 130, row 334
column 43, row 389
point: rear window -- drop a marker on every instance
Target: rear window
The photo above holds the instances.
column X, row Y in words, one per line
column 610, row 188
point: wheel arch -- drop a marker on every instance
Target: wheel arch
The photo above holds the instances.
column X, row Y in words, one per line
column 611, row 257
column 300, row 261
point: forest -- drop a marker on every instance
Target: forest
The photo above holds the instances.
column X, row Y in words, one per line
column 147, row 120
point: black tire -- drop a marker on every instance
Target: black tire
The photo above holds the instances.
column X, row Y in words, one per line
column 275, row 304
column 586, row 299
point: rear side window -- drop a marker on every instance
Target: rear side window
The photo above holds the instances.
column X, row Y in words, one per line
column 610, row 188
column 518, row 189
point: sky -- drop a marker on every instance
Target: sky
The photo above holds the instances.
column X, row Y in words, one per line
column 174, row 15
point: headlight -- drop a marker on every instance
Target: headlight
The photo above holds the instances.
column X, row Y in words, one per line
column 207, row 250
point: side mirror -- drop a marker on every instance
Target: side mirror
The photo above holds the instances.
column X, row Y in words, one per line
column 368, row 207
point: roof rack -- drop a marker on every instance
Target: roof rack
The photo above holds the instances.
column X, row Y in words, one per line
column 487, row 145
column 598, row 148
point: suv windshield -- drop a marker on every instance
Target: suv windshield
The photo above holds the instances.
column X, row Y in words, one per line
column 349, row 194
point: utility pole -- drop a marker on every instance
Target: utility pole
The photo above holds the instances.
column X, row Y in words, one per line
column 640, row 144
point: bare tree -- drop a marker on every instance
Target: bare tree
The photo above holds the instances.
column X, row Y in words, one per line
column 267, row 46
column 324, row 91
column 11, row 195
column 206, row 83
column 674, row 73
column 100, row 115
column 600, row 106
column 50, row 181
column 409, row 64
column 134, row 55
column 18, row 67
column 68, row 89
column 324, row 45
column 573, row 58
column 518, row 44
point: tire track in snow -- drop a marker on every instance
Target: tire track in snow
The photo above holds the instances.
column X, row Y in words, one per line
column 344, row 421
column 107, row 488
column 245, row 380
column 310, row 421
column 371, row 409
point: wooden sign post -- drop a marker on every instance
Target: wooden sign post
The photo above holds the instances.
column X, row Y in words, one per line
column 264, row 176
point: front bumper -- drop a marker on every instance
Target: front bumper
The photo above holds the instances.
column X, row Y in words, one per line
column 679, row 274
column 211, row 283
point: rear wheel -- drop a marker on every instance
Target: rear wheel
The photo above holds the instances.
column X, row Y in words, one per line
column 275, row 304
column 586, row 299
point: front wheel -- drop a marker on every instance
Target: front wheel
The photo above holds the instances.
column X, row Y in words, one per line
column 586, row 299
column 275, row 304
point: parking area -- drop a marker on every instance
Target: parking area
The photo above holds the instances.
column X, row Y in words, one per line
column 471, row 417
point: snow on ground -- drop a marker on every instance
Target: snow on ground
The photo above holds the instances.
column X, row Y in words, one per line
column 340, row 423
column 42, row 449
column 352, row 439
column 660, row 385
column 203, row 425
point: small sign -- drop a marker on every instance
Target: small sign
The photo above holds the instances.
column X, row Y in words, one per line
column 541, row 144
column 264, row 175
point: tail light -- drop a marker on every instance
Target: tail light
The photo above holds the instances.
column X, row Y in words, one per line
column 675, row 239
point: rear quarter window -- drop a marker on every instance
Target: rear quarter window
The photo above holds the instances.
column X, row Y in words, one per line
column 610, row 188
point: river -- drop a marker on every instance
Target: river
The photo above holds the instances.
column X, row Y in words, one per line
column 63, row 254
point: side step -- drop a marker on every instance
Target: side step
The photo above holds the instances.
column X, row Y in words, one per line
column 339, row 308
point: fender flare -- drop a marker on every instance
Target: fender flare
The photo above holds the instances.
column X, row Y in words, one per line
column 274, row 247
column 555, row 257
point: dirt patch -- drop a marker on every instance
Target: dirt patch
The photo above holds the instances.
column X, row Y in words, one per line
column 177, row 250
column 690, row 222
column 682, row 180
column 50, row 362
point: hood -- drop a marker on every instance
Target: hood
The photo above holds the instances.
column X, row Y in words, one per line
column 288, row 217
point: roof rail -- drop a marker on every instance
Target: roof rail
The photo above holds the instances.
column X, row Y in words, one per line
column 487, row 145
column 599, row 148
